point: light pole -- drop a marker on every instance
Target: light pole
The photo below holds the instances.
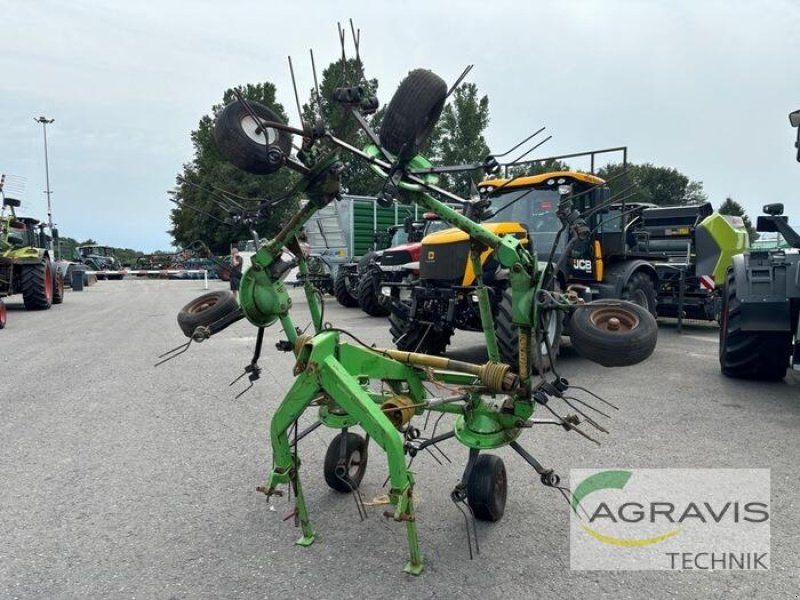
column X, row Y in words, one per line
column 45, row 122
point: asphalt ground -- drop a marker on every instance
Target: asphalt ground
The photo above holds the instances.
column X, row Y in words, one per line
column 121, row 480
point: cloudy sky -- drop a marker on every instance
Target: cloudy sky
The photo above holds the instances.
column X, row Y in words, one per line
column 702, row 86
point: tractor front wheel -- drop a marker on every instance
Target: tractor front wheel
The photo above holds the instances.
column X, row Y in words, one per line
column 342, row 291
column 417, row 337
column 37, row 285
column 549, row 334
column 760, row 355
column 369, row 292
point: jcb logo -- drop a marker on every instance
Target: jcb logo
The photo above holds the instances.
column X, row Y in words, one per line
column 431, row 255
column 582, row 264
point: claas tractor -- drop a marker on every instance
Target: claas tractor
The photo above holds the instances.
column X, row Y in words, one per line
column 759, row 331
column 25, row 265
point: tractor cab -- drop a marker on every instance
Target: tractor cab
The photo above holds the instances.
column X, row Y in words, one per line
column 533, row 201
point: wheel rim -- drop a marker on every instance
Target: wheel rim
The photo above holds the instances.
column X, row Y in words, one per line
column 253, row 130
column 614, row 319
column 550, row 330
column 639, row 297
column 3, row 315
column 203, row 305
column 48, row 282
column 354, row 464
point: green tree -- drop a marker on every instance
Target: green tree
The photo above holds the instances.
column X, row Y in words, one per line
column 357, row 178
column 549, row 165
column 731, row 207
column 648, row 183
column 459, row 139
column 198, row 215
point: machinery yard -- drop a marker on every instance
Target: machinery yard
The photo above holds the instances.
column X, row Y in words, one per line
column 125, row 480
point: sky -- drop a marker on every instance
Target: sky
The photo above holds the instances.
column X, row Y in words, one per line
column 702, row 86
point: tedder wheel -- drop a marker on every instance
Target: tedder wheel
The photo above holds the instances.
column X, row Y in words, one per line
column 206, row 309
column 640, row 290
column 3, row 314
column 508, row 337
column 58, row 288
column 487, row 488
column 37, row 285
column 413, row 112
column 242, row 141
column 417, row 337
column 761, row 355
column 369, row 292
column 341, row 291
column 613, row 333
column 345, row 462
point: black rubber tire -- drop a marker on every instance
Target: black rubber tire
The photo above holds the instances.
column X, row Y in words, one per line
column 413, row 112
column 354, row 459
column 416, row 337
column 369, row 292
column 641, row 290
column 633, row 342
column 58, row 288
column 759, row 355
column 3, row 315
column 508, row 338
column 487, row 488
column 205, row 309
column 37, row 285
column 248, row 150
column 343, row 295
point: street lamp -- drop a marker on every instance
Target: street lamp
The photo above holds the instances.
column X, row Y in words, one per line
column 45, row 122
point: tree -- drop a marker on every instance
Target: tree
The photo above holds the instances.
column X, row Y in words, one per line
column 731, row 207
column 647, row 183
column 357, row 178
column 198, row 215
column 549, row 165
column 459, row 139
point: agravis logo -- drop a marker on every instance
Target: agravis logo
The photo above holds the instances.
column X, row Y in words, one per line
column 715, row 519
column 603, row 481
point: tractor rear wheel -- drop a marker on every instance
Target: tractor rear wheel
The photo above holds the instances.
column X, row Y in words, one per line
column 508, row 338
column 613, row 333
column 37, row 285
column 760, row 355
column 369, row 292
column 413, row 112
column 58, row 287
column 417, row 337
column 341, row 291
column 487, row 488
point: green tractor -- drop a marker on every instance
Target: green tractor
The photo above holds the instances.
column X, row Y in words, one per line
column 25, row 265
column 100, row 259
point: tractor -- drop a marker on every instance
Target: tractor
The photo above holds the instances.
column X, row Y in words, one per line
column 25, row 265
column 99, row 259
column 759, row 327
